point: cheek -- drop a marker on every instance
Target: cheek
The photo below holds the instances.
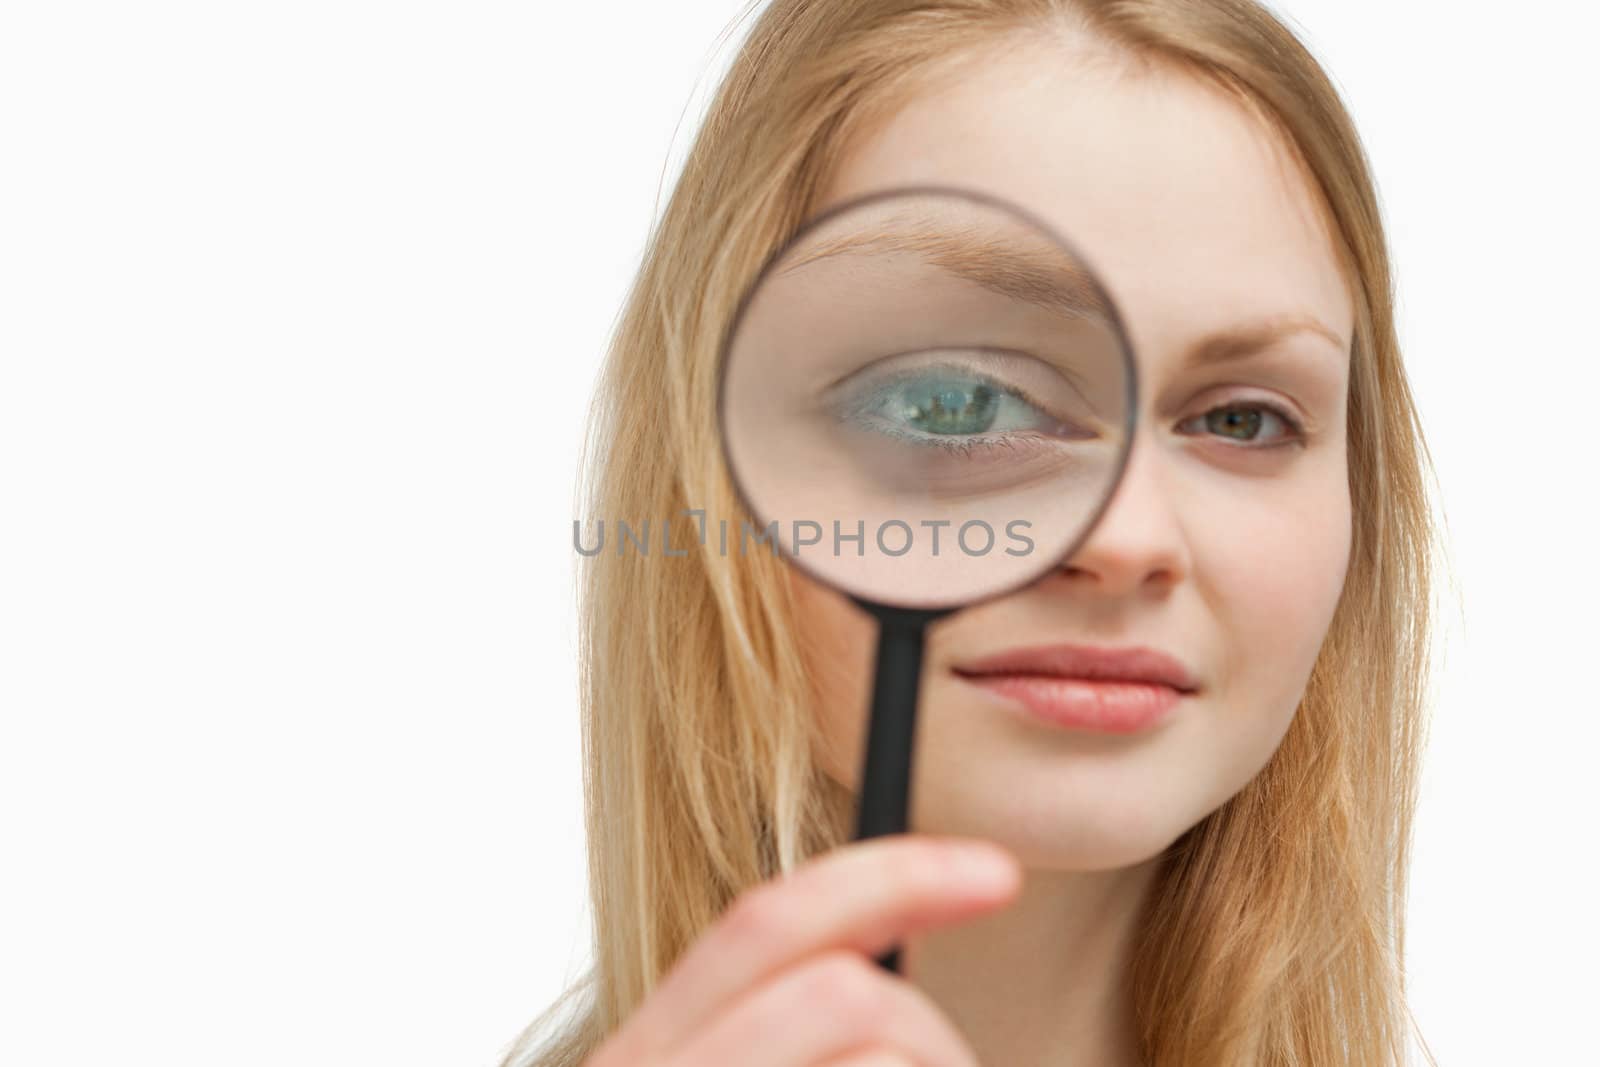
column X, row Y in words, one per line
column 1272, row 575
column 1273, row 571
column 837, row 643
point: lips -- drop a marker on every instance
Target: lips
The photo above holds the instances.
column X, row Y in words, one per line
column 1112, row 690
column 1147, row 665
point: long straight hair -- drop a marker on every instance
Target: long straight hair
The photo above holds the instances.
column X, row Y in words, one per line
column 1274, row 934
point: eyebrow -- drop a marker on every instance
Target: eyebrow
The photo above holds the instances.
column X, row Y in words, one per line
column 1036, row 271
column 1249, row 339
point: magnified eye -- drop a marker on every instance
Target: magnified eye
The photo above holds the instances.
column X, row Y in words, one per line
column 961, row 424
column 944, row 405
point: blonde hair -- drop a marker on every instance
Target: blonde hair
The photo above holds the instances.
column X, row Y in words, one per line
column 1274, row 933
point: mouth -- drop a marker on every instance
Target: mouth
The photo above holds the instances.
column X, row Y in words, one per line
column 1106, row 690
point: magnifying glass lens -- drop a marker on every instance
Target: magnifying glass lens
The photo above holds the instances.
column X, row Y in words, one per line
column 926, row 399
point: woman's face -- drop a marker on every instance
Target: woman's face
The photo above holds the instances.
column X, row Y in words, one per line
column 1227, row 542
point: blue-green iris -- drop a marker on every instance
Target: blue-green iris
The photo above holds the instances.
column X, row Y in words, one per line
column 949, row 405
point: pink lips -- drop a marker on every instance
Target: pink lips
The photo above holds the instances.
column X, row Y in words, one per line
column 1110, row 690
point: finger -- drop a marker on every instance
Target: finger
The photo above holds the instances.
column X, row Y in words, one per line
column 866, row 897
column 829, row 1006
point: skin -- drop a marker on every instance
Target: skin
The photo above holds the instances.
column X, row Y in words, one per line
column 1226, row 553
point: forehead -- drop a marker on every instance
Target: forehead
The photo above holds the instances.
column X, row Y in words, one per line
column 1187, row 205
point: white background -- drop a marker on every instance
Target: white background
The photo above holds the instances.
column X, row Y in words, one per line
column 300, row 308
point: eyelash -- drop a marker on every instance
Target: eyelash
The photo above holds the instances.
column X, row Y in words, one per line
column 963, row 446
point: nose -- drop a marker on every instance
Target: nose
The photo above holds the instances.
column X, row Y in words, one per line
column 1138, row 542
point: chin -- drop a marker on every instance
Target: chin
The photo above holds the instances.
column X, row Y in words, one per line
column 1047, row 831
column 1059, row 801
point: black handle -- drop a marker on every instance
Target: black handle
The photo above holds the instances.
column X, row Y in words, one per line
column 891, row 731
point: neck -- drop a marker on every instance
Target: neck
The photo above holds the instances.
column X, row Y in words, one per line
column 1040, row 983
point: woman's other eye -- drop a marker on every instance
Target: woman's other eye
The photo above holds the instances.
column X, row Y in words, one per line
column 1247, row 423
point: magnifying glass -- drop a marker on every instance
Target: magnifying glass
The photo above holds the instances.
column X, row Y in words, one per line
column 927, row 399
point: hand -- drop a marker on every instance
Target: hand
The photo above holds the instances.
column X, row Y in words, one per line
column 787, row 978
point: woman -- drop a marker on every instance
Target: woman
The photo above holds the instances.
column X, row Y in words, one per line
column 1227, row 888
